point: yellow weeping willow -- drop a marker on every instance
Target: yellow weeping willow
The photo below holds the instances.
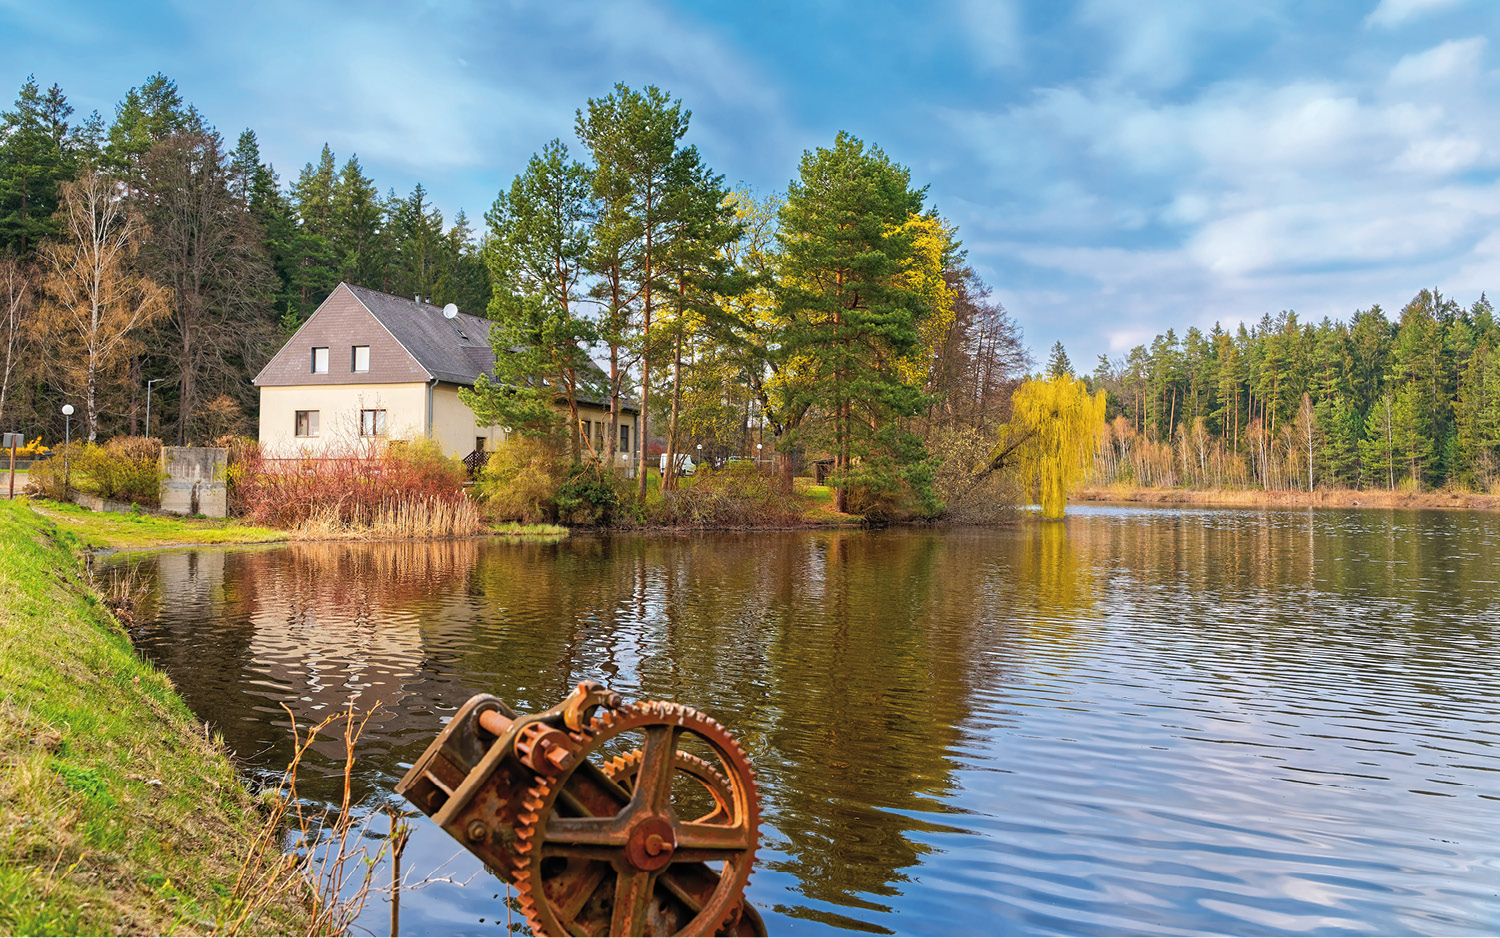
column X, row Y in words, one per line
column 1050, row 438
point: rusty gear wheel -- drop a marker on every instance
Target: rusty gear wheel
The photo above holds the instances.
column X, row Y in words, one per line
column 624, row 769
column 596, row 857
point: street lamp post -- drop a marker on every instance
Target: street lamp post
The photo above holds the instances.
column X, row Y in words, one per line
column 148, row 402
column 67, row 410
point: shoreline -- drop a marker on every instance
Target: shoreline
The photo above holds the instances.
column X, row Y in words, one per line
column 107, row 532
column 1318, row 498
column 119, row 813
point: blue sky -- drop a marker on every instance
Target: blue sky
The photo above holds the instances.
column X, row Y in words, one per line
column 1116, row 167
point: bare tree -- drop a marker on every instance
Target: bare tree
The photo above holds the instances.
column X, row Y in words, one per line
column 1307, row 434
column 16, row 298
column 205, row 249
column 95, row 303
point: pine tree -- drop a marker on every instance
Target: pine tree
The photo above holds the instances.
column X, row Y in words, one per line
column 418, row 245
column 35, row 159
column 1412, row 434
column 1058, row 365
column 539, row 240
column 703, row 226
column 634, row 137
column 355, row 216
column 844, row 247
column 1378, row 455
column 147, row 115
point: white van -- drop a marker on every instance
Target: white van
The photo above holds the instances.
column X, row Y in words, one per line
column 685, row 464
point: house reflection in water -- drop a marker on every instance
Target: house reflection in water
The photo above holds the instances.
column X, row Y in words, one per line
column 315, row 628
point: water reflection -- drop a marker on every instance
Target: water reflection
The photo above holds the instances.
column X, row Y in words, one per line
column 1137, row 721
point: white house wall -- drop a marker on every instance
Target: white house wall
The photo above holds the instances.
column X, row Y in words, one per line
column 338, row 407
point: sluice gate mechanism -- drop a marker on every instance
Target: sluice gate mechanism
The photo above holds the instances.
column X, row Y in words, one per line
column 609, row 818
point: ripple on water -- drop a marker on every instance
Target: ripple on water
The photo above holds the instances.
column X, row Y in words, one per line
column 1145, row 720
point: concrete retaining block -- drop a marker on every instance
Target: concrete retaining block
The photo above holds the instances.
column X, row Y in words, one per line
column 195, row 480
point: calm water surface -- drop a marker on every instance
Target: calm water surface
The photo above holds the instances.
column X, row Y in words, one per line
column 1138, row 721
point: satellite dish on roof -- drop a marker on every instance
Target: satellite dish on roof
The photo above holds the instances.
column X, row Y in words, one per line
column 450, row 311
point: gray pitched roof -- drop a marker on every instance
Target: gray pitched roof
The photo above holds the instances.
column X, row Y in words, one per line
column 455, row 350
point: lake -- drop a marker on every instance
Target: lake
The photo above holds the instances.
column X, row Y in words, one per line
column 1164, row 721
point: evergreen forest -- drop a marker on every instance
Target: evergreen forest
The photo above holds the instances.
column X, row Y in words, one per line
column 1407, row 402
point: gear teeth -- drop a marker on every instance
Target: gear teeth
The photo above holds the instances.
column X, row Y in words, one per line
column 732, row 773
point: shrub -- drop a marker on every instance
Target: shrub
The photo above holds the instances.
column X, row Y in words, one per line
column 967, row 497
column 351, row 487
column 738, row 495
column 127, row 469
column 521, row 480
column 241, row 452
column 45, row 477
column 590, row 495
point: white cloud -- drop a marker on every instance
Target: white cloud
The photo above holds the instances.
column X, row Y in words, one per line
column 1455, row 59
column 1440, row 157
column 1318, row 195
column 1392, row 13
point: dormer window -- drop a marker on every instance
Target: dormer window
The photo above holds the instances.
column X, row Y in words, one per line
column 320, row 361
column 361, row 361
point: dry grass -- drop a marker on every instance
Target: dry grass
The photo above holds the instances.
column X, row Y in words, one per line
column 329, row 854
column 1319, row 498
column 401, row 518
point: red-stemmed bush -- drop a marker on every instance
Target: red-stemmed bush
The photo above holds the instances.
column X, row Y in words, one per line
column 352, row 486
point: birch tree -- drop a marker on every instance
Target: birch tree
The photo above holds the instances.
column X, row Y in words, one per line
column 16, row 299
column 94, row 302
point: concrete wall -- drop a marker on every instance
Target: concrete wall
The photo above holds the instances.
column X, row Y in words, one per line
column 338, row 408
column 195, row 480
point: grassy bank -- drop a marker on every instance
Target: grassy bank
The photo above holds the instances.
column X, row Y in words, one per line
column 107, row 530
column 113, row 530
column 116, row 814
column 1254, row 498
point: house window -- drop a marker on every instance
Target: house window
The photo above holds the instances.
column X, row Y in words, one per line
column 625, row 439
column 307, row 423
column 372, row 423
column 320, row 361
column 361, row 358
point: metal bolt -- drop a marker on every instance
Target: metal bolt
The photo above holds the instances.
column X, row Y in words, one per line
column 477, row 830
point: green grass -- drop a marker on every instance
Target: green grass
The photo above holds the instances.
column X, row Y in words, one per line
column 517, row 529
column 106, row 529
column 817, row 504
column 116, row 814
column 115, row 531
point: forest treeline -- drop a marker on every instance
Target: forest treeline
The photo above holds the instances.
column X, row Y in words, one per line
column 837, row 319
column 1372, row 402
column 142, row 251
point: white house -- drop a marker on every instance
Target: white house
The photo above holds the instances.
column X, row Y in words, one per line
column 368, row 366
